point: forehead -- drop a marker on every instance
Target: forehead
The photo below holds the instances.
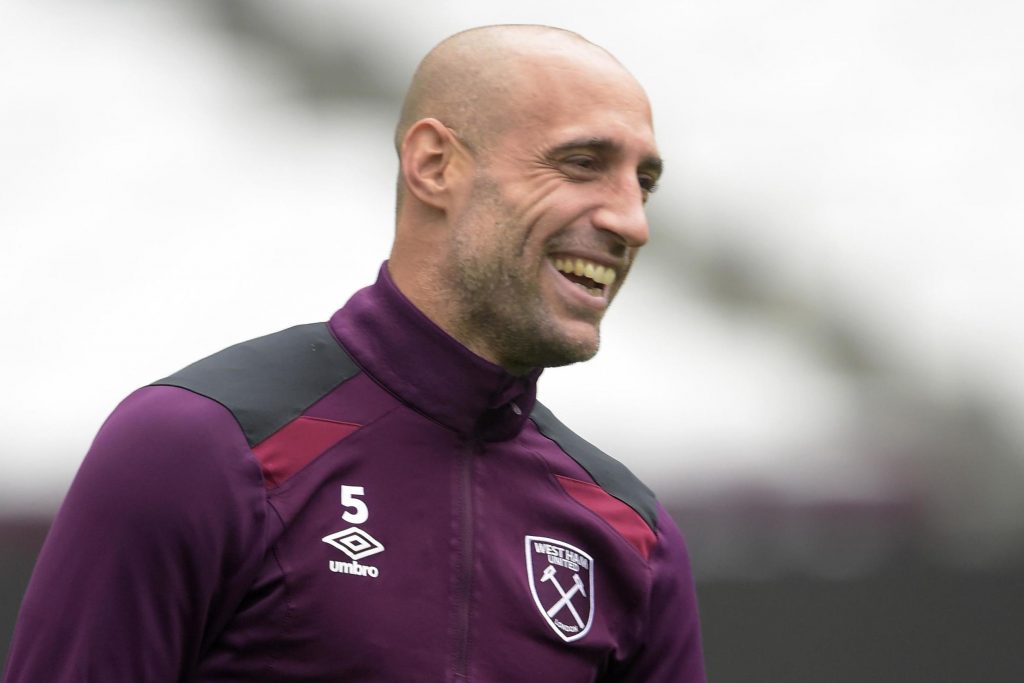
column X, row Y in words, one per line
column 555, row 98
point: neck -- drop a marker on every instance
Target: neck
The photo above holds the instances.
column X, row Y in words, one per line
column 421, row 286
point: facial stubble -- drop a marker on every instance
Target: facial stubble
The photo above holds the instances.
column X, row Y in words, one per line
column 499, row 308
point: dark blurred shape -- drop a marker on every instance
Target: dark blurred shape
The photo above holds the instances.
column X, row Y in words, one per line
column 911, row 622
column 20, row 541
column 754, row 535
column 953, row 462
column 346, row 66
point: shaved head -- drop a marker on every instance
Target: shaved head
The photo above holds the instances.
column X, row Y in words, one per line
column 526, row 154
column 472, row 80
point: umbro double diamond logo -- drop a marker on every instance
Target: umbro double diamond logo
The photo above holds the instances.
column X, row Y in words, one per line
column 357, row 544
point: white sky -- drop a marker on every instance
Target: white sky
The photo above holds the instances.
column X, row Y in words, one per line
column 162, row 197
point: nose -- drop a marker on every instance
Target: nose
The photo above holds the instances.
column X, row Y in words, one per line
column 622, row 213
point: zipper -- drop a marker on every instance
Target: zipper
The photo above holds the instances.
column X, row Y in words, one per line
column 464, row 591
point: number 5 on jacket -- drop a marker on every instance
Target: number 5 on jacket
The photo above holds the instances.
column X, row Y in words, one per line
column 350, row 500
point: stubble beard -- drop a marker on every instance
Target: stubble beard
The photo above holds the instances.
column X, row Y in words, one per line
column 499, row 309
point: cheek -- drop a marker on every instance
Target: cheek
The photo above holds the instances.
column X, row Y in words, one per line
column 564, row 208
column 529, row 197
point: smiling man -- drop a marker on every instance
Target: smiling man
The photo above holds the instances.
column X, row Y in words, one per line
column 380, row 497
column 526, row 158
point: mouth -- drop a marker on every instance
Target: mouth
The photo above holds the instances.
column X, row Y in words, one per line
column 593, row 278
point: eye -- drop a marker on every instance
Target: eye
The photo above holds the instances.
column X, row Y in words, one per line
column 648, row 183
column 583, row 161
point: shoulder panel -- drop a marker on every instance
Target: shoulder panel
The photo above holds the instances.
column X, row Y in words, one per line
column 269, row 381
column 610, row 474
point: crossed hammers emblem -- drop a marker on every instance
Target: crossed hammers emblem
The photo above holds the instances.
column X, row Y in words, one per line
column 566, row 599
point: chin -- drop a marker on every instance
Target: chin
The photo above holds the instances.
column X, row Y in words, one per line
column 541, row 342
column 570, row 349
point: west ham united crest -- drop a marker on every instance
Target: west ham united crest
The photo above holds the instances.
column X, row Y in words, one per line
column 562, row 581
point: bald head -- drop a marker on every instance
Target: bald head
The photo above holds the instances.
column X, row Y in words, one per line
column 473, row 80
column 521, row 149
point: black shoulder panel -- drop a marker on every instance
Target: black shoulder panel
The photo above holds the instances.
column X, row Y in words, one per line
column 267, row 382
column 609, row 473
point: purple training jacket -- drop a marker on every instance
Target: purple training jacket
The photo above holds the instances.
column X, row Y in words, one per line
column 359, row 500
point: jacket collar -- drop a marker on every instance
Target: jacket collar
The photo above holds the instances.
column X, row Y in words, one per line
column 418, row 362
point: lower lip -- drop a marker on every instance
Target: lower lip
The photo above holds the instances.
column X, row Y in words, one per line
column 576, row 293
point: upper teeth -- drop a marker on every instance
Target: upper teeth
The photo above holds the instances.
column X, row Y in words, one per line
column 596, row 272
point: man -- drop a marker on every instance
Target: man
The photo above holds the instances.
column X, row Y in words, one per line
column 379, row 497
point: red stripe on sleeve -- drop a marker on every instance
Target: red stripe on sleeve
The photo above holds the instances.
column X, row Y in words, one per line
column 620, row 516
column 295, row 445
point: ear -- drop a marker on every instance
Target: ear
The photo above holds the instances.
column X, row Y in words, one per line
column 428, row 152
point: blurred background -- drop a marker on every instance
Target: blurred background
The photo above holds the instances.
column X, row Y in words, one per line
column 818, row 363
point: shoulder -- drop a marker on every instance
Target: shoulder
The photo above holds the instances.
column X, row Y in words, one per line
column 162, row 444
column 266, row 382
column 166, row 463
column 609, row 474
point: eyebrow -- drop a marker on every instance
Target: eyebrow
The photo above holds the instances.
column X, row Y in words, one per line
column 650, row 163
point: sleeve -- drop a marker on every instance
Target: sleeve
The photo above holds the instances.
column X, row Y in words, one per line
column 156, row 543
column 671, row 650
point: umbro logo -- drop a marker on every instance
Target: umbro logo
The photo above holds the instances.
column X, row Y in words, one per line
column 353, row 541
column 357, row 544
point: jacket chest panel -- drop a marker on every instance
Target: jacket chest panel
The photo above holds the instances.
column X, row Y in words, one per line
column 418, row 541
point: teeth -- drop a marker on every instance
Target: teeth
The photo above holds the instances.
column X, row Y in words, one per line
column 596, row 272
